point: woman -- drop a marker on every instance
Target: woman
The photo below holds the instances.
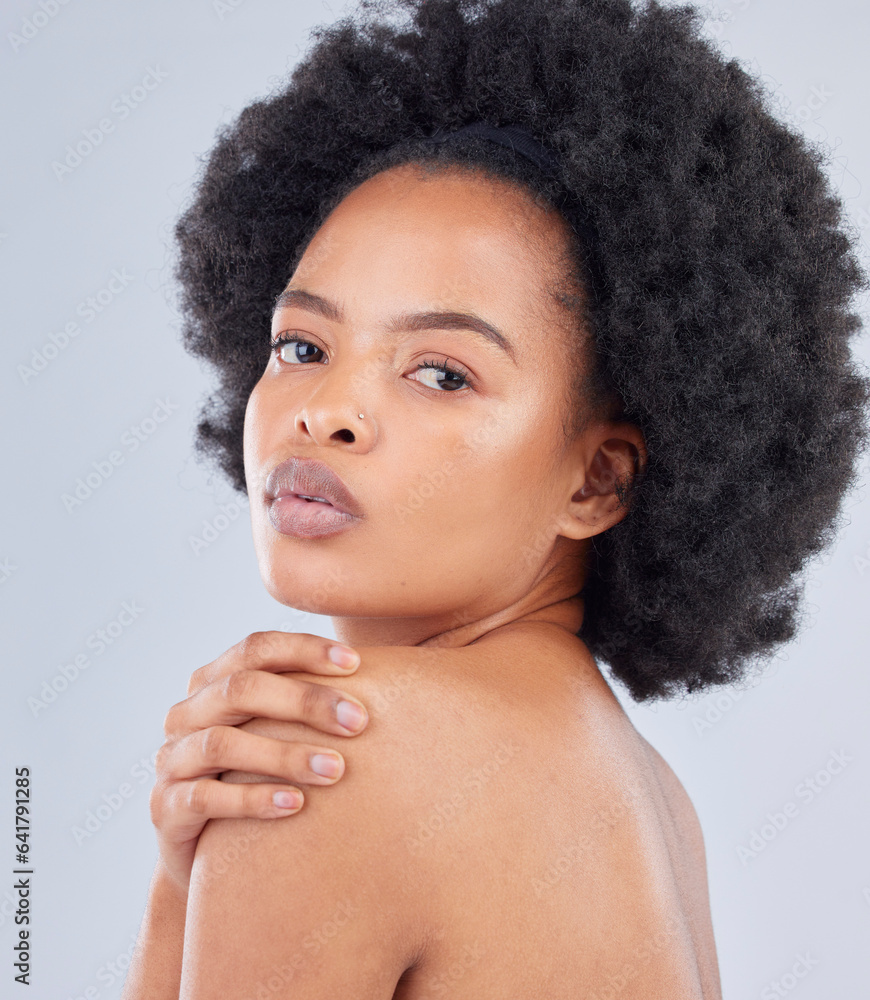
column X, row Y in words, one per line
column 558, row 375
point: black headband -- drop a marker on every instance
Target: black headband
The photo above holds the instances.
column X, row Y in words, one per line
column 515, row 137
column 518, row 139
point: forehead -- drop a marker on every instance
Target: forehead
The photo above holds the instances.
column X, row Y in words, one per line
column 448, row 199
column 451, row 237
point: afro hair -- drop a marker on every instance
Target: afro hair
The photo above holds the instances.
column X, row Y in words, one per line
column 725, row 322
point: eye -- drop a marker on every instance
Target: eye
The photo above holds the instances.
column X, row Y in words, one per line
column 293, row 356
column 445, row 376
column 449, row 374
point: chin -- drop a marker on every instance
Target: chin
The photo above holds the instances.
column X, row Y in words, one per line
column 330, row 592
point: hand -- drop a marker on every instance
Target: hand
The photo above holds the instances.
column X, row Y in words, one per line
column 201, row 740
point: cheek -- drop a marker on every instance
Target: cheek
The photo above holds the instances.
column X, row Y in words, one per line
column 454, row 502
column 253, row 406
column 260, row 426
column 484, row 484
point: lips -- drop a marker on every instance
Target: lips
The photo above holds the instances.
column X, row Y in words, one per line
column 308, row 477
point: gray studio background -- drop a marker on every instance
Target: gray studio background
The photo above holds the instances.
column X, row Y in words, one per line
column 122, row 560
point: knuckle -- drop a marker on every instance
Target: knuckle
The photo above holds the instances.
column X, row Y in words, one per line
column 153, row 805
column 196, row 797
column 214, row 743
column 304, row 637
column 288, row 755
column 156, row 803
column 237, row 687
column 313, row 700
column 171, row 718
column 195, row 682
column 255, row 647
column 161, row 758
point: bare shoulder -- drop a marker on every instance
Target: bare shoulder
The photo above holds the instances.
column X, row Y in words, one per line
column 529, row 767
column 325, row 902
column 542, row 800
column 519, row 817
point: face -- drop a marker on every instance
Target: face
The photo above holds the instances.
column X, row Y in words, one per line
column 461, row 473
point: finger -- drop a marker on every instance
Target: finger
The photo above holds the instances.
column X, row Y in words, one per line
column 276, row 651
column 191, row 802
column 225, row 748
column 246, row 694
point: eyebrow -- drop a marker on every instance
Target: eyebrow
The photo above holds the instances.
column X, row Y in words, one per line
column 300, row 299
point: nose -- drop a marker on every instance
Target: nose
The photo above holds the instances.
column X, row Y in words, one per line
column 332, row 426
column 336, row 411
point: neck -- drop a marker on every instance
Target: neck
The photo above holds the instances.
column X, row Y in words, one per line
column 553, row 599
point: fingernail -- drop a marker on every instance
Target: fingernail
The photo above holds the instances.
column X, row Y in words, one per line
column 343, row 657
column 349, row 715
column 326, row 764
column 287, row 800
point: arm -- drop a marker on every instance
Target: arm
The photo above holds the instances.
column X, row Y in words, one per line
column 322, row 905
column 204, row 738
column 240, row 685
column 155, row 972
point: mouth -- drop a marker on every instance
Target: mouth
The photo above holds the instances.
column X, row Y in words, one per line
column 307, row 499
column 312, row 499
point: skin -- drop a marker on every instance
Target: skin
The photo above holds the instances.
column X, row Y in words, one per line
column 530, row 500
column 466, row 604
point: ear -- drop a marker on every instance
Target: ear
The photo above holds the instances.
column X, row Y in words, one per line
column 610, row 454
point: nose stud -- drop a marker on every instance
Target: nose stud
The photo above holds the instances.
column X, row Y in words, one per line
column 361, row 416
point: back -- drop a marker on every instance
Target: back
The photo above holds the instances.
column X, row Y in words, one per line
column 562, row 856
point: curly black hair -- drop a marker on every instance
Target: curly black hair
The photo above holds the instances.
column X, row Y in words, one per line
column 724, row 327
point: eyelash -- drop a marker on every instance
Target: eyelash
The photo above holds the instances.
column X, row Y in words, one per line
column 457, row 372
